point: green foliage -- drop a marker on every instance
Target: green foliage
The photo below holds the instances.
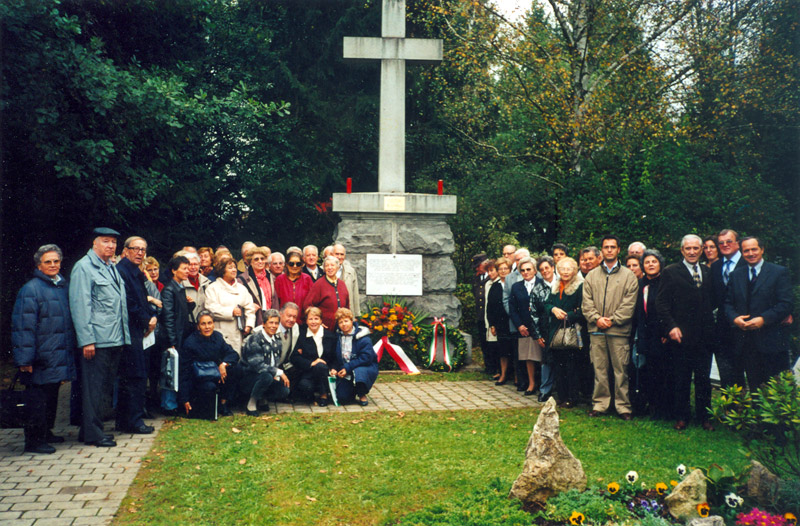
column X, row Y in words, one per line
column 597, row 508
column 789, row 496
column 468, row 323
column 769, row 420
column 654, row 520
column 489, row 506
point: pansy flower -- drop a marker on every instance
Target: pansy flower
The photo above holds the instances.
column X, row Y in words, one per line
column 703, row 509
column 631, row 477
column 613, row 488
column 790, row 518
column 681, row 469
column 733, row 500
column 577, row 518
column 673, row 483
column 661, row 488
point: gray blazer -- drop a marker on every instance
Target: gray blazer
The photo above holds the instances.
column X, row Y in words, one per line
column 98, row 303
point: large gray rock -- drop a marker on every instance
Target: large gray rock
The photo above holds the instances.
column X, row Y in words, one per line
column 428, row 235
column 438, row 274
column 691, row 491
column 364, row 236
column 550, row 467
column 425, row 237
column 762, row 485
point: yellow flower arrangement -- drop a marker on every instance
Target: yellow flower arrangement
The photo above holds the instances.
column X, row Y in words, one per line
column 613, row 488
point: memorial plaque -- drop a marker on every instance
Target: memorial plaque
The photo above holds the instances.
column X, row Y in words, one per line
column 394, row 203
column 394, row 275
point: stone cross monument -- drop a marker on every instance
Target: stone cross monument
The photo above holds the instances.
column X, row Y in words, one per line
column 390, row 222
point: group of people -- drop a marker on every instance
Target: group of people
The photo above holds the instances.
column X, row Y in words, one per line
column 635, row 334
column 264, row 328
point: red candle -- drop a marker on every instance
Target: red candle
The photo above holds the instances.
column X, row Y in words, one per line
column 440, row 190
column 349, row 185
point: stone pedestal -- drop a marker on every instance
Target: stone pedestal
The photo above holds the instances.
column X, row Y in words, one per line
column 420, row 228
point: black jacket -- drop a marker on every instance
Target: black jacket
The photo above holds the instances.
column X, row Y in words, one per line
column 133, row 363
column 175, row 314
column 306, row 351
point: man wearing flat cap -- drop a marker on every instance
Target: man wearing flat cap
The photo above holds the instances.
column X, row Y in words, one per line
column 100, row 315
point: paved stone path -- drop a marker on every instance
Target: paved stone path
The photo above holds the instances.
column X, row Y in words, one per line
column 81, row 484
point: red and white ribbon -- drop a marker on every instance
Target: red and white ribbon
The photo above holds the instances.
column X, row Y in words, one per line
column 397, row 354
column 438, row 323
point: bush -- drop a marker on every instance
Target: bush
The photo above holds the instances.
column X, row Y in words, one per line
column 485, row 507
column 770, row 420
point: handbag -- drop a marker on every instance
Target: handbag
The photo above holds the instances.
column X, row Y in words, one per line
column 13, row 407
column 566, row 338
column 169, row 370
column 206, row 371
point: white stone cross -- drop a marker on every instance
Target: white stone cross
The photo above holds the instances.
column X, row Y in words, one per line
column 393, row 49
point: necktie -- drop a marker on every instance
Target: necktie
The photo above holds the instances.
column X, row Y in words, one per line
column 696, row 277
column 753, row 275
column 726, row 272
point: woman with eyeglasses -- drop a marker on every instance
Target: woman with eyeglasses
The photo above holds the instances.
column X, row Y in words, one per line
column 295, row 284
column 256, row 281
column 519, row 308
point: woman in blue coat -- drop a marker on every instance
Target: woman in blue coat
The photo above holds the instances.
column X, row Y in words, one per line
column 355, row 365
column 206, row 345
column 44, row 342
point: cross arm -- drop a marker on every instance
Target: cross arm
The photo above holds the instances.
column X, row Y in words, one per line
column 417, row 49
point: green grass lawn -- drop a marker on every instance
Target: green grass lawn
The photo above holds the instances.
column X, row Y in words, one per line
column 372, row 468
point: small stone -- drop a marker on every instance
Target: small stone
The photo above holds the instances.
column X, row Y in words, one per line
column 691, row 491
column 550, row 467
column 762, row 485
column 713, row 520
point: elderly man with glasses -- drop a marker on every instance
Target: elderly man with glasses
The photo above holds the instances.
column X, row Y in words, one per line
column 141, row 324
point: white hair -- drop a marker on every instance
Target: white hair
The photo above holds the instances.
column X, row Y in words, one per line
column 693, row 237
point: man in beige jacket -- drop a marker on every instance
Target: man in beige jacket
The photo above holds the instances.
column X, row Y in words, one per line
column 609, row 300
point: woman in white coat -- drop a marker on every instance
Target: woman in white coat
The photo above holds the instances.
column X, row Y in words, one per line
column 230, row 304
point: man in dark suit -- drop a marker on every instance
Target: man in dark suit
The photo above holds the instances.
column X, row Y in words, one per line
column 310, row 258
column 758, row 305
column 141, row 322
column 479, row 293
column 685, row 305
column 731, row 370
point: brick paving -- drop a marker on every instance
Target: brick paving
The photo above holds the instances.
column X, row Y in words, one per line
column 81, row 484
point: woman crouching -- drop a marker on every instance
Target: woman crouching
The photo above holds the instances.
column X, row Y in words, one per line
column 207, row 362
column 355, row 365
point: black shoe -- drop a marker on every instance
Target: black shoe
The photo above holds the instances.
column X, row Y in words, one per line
column 224, row 410
column 322, row 402
column 363, row 403
column 252, row 413
column 520, row 388
column 543, row 397
column 530, row 393
column 43, row 449
column 104, row 442
column 169, row 412
column 501, row 382
column 143, row 429
column 53, row 439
